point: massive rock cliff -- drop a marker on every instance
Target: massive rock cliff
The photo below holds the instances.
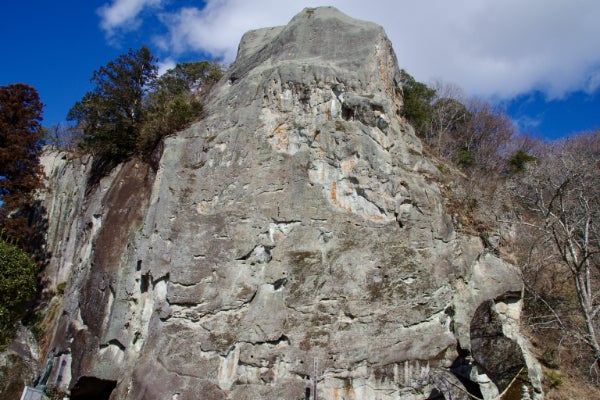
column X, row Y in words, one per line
column 297, row 232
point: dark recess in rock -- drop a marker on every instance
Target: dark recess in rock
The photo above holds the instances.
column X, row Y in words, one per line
column 92, row 388
column 497, row 355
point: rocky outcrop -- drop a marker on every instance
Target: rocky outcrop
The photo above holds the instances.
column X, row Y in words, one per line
column 298, row 224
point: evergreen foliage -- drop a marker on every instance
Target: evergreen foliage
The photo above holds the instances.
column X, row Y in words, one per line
column 518, row 161
column 175, row 101
column 20, row 146
column 189, row 77
column 417, row 107
column 17, row 288
column 130, row 109
column 111, row 115
column 464, row 158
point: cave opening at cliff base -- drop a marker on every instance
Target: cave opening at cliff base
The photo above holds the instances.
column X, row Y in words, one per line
column 88, row 388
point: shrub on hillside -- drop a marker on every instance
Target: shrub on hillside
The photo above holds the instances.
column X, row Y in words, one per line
column 17, row 288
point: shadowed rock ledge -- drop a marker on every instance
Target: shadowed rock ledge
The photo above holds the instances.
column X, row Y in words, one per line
column 299, row 221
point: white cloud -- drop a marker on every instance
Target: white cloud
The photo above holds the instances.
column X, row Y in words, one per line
column 165, row 65
column 122, row 14
column 526, row 123
column 494, row 49
column 218, row 28
column 593, row 81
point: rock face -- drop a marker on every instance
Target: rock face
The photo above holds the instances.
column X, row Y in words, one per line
column 298, row 224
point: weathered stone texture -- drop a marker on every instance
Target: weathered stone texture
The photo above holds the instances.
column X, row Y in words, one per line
column 299, row 221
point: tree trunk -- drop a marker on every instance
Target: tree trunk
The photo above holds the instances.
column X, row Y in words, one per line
column 587, row 309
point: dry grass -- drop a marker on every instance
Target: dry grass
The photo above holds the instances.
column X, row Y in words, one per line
column 572, row 387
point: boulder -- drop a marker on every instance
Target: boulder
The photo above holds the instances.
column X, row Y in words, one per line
column 297, row 231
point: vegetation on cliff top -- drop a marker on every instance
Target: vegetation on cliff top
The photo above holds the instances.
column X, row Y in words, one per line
column 127, row 113
column 130, row 109
column 539, row 200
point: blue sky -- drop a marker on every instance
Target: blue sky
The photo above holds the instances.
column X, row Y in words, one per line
column 539, row 59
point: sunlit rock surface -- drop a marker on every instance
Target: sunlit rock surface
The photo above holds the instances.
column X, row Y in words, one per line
column 299, row 223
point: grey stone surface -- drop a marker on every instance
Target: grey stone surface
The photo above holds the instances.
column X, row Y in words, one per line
column 299, row 221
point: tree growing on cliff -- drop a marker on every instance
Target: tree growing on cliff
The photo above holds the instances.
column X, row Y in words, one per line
column 483, row 137
column 63, row 137
column 471, row 133
column 20, row 146
column 189, row 78
column 111, row 115
column 417, row 107
column 130, row 110
column 448, row 115
column 175, row 100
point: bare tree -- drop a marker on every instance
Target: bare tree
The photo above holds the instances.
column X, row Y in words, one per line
column 560, row 195
column 486, row 135
column 448, row 114
column 64, row 137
